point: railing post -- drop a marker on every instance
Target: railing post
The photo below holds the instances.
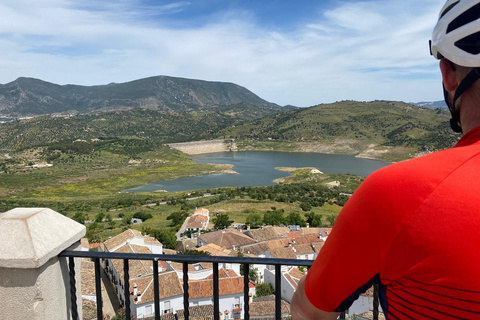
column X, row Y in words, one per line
column 156, row 294
column 216, row 295
column 185, row 291
column 34, row 280
column 98, row 289
column 278, row 292
column 246, row 291
column 126, row 289
column 73, row 288
column 376, row 288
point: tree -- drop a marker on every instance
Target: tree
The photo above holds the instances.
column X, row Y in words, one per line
column 314, row 219
column 254, row 220
column 263, row 289
column 295, row 219
column 221, row 221
column 99, row 217
column 331, row 219
column 252, row 273
column 305, row 206
column 167, row 237
column 274, row 218
column 127, row 219
column 79, row 217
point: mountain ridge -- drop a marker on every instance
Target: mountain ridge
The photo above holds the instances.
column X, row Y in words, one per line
column 30, row 96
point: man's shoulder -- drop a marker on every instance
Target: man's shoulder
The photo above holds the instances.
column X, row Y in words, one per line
column 420, row 174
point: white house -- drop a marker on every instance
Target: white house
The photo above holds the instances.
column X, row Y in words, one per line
column 289, row 281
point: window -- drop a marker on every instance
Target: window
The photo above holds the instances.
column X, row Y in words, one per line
column 237, row 302
column 148, row 310
column 166, row 307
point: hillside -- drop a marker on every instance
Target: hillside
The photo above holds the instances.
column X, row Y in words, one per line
column 351, row 127
column 29, row 96
column 142, row 123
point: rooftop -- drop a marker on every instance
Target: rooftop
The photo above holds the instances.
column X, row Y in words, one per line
column 228, row 238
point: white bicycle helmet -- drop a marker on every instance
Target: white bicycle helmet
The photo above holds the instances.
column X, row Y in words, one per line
column 456, row 37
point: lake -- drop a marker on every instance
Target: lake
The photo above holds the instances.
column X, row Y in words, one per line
column 257, row 168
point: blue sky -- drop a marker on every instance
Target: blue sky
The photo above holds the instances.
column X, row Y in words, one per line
column 289, row 52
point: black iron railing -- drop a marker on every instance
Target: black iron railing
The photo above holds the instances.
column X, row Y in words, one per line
column 185, row 260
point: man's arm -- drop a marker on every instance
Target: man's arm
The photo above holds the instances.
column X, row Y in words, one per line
column 302, row 309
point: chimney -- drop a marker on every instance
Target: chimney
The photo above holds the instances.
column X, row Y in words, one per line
column 250, row 297
column 248, row 227
column 308, row 225
column 134, row 289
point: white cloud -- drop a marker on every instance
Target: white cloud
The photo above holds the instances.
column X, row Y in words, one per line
column 357, row 50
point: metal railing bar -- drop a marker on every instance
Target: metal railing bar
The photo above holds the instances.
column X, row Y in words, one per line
column 126, row 288
column 98, row 289
column 278, row 292
column 156, row 290
column 246, row 291
column 216, row 295
column 73, row 288
column 376, row 289
column 185, row 292
column 182, row 258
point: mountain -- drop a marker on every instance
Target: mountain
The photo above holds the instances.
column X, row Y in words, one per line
column 29, row 96
column 382, row 123
column 432, row 104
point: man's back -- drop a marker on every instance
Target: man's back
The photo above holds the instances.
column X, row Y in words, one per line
column 415, row 226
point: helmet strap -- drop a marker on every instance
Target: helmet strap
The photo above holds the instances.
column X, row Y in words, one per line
column 466, row 83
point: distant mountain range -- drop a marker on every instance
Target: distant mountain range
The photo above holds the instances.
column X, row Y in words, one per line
column 432, row 104
column 29, row 96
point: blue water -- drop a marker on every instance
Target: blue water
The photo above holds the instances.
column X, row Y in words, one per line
column 257, row 168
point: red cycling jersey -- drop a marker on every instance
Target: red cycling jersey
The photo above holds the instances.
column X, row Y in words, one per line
column 413, row 227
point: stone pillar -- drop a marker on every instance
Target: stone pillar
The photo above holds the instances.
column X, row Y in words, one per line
column 34, row 281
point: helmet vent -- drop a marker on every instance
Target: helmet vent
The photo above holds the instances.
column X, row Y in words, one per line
column 468, row 16
column 470, row 44
column 450, row 7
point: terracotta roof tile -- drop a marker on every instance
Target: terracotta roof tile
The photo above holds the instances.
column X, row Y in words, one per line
column 169, row 251
column 136, row 267
column 268, row 232
column 226, row 238
column 267, row 308
column 199, row 210
column 306, row 231
column 197, row 313
column 204, row 288
column 169, row 286
column 88, row 277
column 186, row 244
column 121, row 238
column 215, row 250
column 283, row 253
column 197, row 221
column 294, row 234
column 224, row 273
column 260, row 248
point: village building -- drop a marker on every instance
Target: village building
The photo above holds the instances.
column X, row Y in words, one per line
column 229, row 238
column 289, row 281
column 267, row 233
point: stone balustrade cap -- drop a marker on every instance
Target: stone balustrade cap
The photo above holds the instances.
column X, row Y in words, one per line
column 29, row 237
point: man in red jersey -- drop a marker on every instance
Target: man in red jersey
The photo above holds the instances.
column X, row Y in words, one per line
column 414, row 227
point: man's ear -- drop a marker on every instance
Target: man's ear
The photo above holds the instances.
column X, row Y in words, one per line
column 449, row 75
